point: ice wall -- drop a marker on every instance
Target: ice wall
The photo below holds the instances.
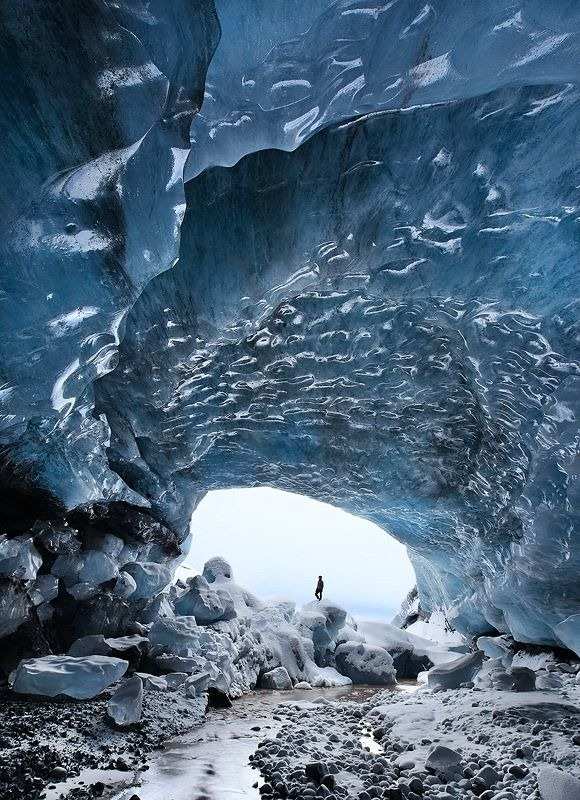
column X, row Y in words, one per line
column 382, row 317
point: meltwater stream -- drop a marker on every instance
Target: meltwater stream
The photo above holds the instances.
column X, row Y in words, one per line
column 212, row 762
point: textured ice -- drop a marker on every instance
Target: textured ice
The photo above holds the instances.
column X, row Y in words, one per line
column 80, row 677
column 125, row 706
column 366, row 293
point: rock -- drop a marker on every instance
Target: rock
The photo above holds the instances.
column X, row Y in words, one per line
column 126, row 705
column 81, row 678
column 453, row 674
column 216, row 569
column 277, row 678
column 316, row 771
column 94, row 645
column 364, row 663
column 488, row 775
column 548, row 680
column 218, row 698
column 523, row 679
column 302, row 685
column 444, row 761
column 557, row 785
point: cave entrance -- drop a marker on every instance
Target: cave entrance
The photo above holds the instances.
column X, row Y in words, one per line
column 278, row 543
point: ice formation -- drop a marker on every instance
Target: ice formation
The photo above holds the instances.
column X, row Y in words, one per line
column 248, row 645
column 366, row 292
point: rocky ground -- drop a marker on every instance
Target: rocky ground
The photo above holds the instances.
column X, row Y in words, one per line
column 440, row 745
column 44, row 743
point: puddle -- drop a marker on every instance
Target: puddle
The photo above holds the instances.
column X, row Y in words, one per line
column 88, row 777
column 212, row 762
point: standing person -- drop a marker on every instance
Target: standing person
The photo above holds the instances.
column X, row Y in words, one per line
column 319, row 588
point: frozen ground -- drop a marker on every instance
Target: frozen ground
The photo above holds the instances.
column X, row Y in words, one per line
column 503, row 745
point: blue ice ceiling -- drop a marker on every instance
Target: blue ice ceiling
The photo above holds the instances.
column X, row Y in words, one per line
column 365, row 292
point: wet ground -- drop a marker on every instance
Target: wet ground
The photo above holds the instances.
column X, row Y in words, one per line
column 212, row 762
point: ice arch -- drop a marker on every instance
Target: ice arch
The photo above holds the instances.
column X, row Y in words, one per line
column 383, row 319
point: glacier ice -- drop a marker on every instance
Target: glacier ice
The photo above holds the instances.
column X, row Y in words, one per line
column 80, row 677
column 366, row 292
column 126, row 704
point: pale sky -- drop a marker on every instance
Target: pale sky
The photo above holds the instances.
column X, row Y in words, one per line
column 278, row 543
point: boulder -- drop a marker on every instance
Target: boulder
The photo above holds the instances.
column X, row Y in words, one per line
column 80, row 678
column 126, row 705
column 557, row 785
column 548, row 680
column 365, row 663
column 276, row 679
column 453, row 674
column 444, row 762
column 488, row 775
column 94, row 645
column 217, row 569
column 523, row 679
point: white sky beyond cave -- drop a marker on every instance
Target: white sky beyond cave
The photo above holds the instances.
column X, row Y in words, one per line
column 278, row 543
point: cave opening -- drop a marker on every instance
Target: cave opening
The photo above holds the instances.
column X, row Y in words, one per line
column 278, row 542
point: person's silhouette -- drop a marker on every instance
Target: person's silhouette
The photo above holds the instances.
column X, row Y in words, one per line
column 319, row 588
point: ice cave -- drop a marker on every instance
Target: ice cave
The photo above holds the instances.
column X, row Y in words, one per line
column 328, row 247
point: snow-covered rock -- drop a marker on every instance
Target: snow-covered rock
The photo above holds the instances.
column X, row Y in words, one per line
column 126, row 705
column 443, row 761
column 81, row 678
column 365, row 663
column 277, row 678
